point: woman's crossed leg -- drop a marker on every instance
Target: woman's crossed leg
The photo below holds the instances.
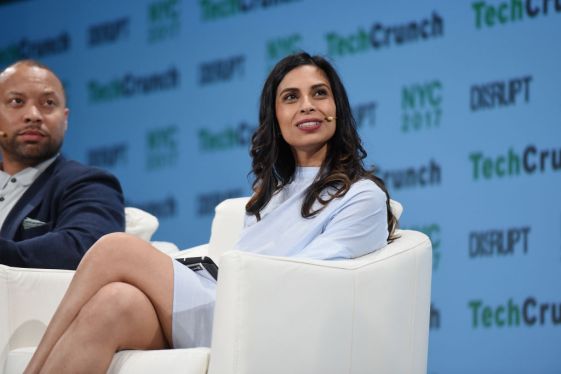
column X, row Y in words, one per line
column 120, row 297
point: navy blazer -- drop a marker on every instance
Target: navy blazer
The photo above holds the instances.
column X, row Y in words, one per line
column 66, row 209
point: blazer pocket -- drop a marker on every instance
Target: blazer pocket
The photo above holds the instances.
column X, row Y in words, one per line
column 33, row 232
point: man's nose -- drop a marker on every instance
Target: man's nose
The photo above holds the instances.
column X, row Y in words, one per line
column 33, row 115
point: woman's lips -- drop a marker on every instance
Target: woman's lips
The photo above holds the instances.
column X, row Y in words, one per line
column 309, row 125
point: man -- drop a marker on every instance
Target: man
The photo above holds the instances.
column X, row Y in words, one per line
column 51, row 209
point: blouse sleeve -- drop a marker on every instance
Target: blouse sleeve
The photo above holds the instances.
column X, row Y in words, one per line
column 358, row 227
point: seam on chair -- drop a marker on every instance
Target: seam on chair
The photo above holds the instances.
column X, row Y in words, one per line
column 11, row 309
column 237, row 338
column 353, row 324
column 332, row 263
column 39, row 270
column 413, row 319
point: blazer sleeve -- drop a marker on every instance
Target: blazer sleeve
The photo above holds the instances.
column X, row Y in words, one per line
column 88, row 207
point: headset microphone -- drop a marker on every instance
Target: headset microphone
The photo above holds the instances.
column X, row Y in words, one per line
column 3, row 134
column 330, row 118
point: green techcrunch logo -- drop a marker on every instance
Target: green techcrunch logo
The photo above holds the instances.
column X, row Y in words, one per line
column 28, row 48
column 130, row 85
column 228, row 138
column 512, row 163
column 215, row 9
column 379, row 35
column 490, row 15
column 512, row 314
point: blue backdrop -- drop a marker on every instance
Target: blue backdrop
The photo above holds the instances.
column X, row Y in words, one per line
column 458, row 104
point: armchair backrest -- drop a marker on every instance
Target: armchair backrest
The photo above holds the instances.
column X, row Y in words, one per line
column 226, row 226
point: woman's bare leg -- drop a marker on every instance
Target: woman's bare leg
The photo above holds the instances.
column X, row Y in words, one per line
column 114, row 258
column 118, row 317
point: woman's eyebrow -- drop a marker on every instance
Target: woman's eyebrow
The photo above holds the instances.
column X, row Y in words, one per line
column 292, row 89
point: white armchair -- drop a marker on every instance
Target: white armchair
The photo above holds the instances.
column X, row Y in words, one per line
column 272, row 314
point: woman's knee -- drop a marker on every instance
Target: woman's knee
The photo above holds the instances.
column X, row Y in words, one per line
column 110, row 248
column 112, row 306
column 120, row 315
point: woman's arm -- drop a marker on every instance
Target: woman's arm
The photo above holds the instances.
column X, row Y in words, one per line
column 359, row 226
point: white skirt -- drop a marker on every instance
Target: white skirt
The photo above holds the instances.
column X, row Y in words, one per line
column 194, row 294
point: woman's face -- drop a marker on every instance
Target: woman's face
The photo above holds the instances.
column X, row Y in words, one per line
column 303, row 101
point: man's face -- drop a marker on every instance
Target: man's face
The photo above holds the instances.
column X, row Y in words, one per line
column 33, row 116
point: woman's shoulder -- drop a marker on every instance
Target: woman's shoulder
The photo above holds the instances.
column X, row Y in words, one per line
column 364, row 193
column 367, row 187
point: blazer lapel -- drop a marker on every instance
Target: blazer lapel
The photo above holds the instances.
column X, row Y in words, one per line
column 30, row 199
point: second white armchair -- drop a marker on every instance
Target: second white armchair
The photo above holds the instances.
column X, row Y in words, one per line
column 272, row 315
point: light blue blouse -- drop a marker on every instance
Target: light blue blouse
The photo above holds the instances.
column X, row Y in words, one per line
column 348, row 227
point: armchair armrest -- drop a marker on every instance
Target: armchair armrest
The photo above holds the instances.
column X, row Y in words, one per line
column 29, row 299
column 287, row 315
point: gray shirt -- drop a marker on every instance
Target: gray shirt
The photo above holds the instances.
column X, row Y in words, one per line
column 12, row 187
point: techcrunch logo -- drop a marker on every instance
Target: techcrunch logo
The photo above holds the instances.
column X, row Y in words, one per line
column 27, row 48
column 505, row 12
column 421, row 105
column 529, row 161
column 132, row 85
column 380, row 35
column 216, row 9
column 229, row 138
column 511, row 314
column 500, row 93
column 412, row 177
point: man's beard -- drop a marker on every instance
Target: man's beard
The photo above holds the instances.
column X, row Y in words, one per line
column 30, row 154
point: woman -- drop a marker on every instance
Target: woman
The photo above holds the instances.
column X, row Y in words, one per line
column 312, row 198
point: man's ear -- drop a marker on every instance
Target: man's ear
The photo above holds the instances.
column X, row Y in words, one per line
column 66, row 111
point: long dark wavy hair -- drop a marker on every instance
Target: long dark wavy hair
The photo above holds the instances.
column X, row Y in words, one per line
column 273, row 162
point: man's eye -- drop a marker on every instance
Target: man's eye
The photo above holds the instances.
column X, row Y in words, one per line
column 16, row 101
column 50, row 102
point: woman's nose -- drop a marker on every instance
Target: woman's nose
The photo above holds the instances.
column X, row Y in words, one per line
column 307, row 105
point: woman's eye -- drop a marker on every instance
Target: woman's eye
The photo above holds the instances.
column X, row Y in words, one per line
column 321, row 92
column 290, row 97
